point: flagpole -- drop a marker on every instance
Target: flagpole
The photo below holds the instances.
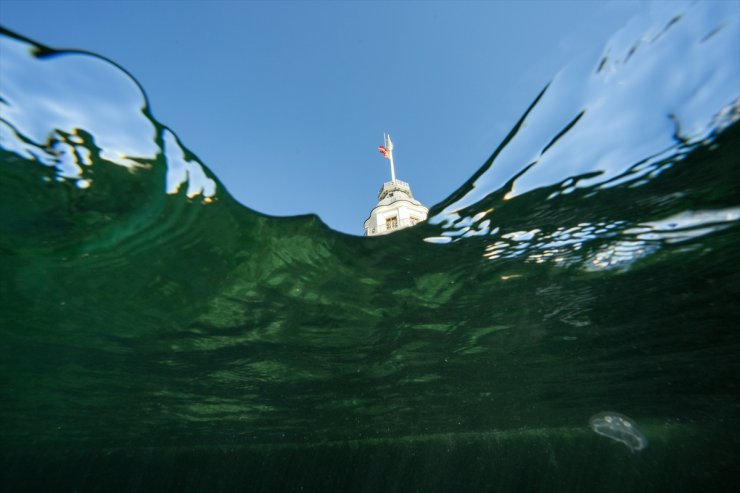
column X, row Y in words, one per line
column 389, row 146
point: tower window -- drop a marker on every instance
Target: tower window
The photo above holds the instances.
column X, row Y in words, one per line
column 391, row 222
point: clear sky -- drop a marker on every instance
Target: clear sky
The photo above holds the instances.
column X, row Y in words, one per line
column 287, row 101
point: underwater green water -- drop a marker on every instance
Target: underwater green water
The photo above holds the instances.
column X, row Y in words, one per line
column 157, row 335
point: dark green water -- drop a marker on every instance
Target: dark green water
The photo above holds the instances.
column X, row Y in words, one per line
column 157, row 335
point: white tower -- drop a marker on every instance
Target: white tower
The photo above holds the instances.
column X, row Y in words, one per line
column 396, row 208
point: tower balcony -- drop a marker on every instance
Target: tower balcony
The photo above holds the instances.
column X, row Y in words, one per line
column 390, row 226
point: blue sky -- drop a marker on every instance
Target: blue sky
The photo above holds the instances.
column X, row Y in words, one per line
column 287, row 101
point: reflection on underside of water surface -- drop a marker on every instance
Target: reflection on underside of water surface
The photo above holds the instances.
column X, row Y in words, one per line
column 664, row 88
column 619, row 246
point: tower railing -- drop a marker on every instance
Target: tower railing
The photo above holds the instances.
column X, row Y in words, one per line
column 389, row 186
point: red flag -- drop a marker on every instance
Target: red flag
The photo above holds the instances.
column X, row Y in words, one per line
column 384, row 152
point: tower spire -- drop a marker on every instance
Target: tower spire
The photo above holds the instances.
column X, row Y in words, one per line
column 397, row 208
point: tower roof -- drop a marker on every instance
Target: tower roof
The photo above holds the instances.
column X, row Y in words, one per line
column 395, row 190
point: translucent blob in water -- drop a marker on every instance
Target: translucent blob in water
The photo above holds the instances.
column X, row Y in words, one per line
column 620, row 428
